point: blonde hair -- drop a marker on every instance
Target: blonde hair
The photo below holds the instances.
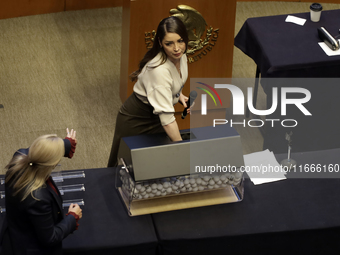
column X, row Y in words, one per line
column 30, row 172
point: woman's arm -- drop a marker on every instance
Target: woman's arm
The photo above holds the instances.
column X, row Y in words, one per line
column 172, row 131
column 70, row 143
column 41, row 216
column 184, row 100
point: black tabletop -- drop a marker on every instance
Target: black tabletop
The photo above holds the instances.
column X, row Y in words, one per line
column 106, row 227
column 287, row 50
column 284, row 49
column 293, row 216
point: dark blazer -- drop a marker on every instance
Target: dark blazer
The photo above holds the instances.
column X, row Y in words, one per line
column 35, row 227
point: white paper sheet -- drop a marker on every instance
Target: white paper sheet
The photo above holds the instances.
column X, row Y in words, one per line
column 295, row 20
column 262, row 167
column 328, row 50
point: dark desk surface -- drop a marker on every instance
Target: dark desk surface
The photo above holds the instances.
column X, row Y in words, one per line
column 286, row 50
column 283, row 49
column 294, row 216
column 106, row 227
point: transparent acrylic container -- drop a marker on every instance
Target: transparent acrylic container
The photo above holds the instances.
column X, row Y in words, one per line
column 60, row 176
column 133, row 192
column 71, row 188
column 67, row 203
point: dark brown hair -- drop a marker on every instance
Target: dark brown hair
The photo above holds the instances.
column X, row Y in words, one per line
column 168, row 25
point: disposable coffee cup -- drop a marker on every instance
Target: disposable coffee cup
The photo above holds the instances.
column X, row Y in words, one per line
column 315, row 12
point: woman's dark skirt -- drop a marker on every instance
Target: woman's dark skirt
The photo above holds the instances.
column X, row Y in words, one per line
column 134, row 118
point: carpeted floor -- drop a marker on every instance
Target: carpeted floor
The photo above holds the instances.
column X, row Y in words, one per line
column 61, row 70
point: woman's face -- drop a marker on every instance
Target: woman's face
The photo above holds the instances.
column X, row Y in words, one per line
column 174, row 46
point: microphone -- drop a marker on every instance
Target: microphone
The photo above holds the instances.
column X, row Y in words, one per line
column 329, row 40
column 192, row 97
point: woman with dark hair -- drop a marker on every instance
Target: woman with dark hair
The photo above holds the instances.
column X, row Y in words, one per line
column 160, row 78
column 34, row 222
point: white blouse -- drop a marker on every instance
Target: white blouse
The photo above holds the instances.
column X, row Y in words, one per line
column 161, row 86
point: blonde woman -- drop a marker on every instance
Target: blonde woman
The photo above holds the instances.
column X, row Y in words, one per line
column 34, row 221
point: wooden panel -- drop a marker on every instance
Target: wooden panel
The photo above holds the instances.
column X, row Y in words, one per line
column 269, row 1
column 18, row 8
column 145, row 16
column 91, row 4
column 179, row 202
column 142, row 16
